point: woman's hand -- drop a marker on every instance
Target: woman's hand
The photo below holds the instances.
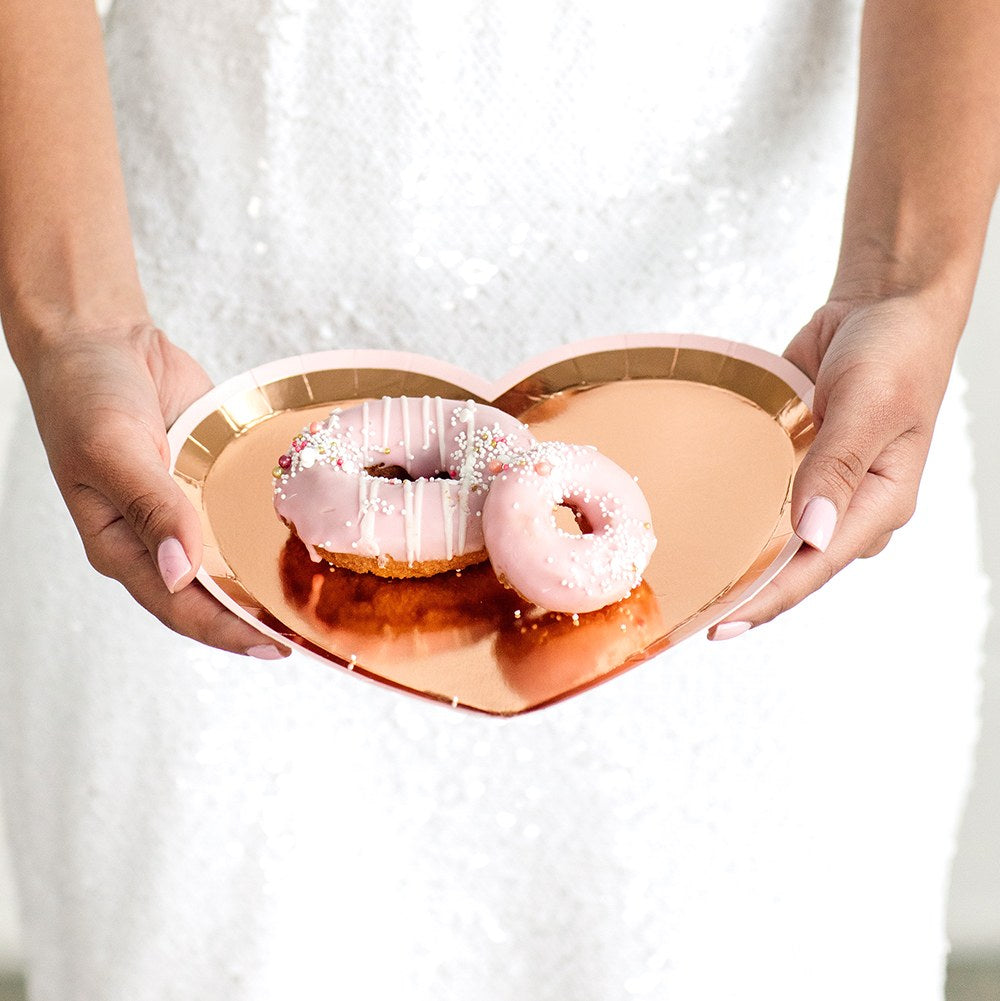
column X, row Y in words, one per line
column 103, row 402
column 881, row 367
column 103, row 391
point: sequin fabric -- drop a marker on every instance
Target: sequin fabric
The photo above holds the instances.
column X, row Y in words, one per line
column 481, row 181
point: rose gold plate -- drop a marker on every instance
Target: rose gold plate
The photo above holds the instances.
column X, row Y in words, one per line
column 713, row 429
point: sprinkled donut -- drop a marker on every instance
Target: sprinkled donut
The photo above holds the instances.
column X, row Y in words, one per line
column 396, row 487
column 553, row 568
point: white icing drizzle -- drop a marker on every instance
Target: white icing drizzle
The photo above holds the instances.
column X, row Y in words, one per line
column 386, row 412
column 365, row 434
column 411, row 530
column 439, row 406
column 426, row 415
column 362, row 506
column 405, row 404
column 447, row 513
column 418, row 514
column 369, row 508
column 465, row 472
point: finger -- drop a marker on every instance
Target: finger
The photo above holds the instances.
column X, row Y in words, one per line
column 807, row 571
column 856, row 430
column 191, row 612
column 124, row 477
column 862, row 532
column 875, row 547
column 806, row 349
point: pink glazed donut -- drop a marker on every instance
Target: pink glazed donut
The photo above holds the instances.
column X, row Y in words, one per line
column 548, row 566
column 396, row 487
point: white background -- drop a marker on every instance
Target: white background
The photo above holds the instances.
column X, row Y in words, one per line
column 975, row 901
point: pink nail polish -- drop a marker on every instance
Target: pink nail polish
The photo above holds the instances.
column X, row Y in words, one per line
column 728, row 630
column 172, row 562
column 817, row 523
column 265, row 651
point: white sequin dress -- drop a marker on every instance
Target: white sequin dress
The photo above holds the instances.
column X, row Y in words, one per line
column 765, row 818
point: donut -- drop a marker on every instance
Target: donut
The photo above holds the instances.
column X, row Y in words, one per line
column 545, row 564
column 395, row 487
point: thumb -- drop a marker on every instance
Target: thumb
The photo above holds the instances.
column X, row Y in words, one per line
column 140, row 492
column 846, row 445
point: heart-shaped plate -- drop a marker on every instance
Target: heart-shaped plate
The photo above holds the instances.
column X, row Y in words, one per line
column 714, row 430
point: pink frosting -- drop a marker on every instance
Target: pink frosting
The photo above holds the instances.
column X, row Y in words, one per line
column 452, row 449
column 554, row 569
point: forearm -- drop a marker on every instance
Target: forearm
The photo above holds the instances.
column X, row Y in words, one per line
column 66, row 258
column 927, row 151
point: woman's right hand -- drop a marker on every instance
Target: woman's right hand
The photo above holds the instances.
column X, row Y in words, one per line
column 103, row 394
column 103, row 402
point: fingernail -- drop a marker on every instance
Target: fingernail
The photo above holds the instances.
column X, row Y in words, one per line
column 817, row 523
column 265, row 652
column 728, row 630
column 173, row 562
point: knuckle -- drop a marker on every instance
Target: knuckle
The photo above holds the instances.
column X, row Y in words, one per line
column 769, row 603
column 105, row 550
column 844, row 470
column 874, row 548
column 905, row 508
column 784, row 602
column 99, row 558
column 817, row 569
column 890, row 508
column 826, row 570
column 143, row 512
column 189, row 614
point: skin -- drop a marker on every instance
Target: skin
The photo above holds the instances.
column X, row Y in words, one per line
column 924, row 174
column 105, row 383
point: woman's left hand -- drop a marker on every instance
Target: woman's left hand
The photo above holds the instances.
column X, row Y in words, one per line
column 880, row 367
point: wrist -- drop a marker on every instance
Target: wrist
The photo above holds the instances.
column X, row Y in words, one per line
column 944, row 290
column 66, row 288
column 36, row 341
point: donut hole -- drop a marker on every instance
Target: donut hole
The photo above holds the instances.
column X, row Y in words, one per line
column 571, row 519
column 383, row 472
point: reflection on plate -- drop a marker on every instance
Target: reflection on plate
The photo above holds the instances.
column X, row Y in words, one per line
column 714, row 431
